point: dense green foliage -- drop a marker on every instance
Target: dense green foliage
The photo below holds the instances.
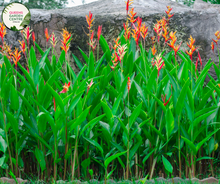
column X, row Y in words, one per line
column 128, row 112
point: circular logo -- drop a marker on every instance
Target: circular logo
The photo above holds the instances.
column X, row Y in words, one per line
column 16, row 16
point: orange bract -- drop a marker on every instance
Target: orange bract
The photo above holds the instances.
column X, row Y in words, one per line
column 89, row 20
column 22, row 47
column 144, row 31
column 16, row 56
column 46, row 34
column 66, row 40
column 153, row 50
column 2, row 31
column 131, row 15
column 128, row 3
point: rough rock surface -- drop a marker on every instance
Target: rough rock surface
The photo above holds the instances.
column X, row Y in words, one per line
column 201, row 22
column 12, row 181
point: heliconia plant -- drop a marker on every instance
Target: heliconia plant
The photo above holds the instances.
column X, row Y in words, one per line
column 130, row 111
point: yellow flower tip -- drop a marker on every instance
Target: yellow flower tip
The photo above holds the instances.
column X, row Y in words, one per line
column 216, row 147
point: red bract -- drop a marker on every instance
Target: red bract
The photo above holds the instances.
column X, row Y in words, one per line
column 164, row 99
column 131, row 15
column 33, row 37
column 2, row 32
column 22, row 47
column 212, row 47
column 128, row 3
column 127, row 31
column 89, row 20
column 99, row 32
column 129, row 84
column 16, row 56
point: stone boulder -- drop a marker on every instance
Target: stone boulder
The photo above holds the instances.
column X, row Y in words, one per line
column 201, row 22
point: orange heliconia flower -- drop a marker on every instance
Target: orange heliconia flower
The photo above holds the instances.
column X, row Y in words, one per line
column 66, row 40
column 212, row 46
column 2, row 31
column 173, row 41
column 27, row 33
column 139, row 21
column 158, row 30
column 121, row 50
column 217, row 34
column 128, row 3
column 114, row 61
column 127, row 31
column 46, row 34
column 169, row 9
column 53, row 39
column 144, row 31
column 158, row 64
column 191, row 46
column 136, row 35
column 16, row 56
column 131, row 15
column 92, row 42
column 129, row 84
column 165, row 34
column 117, row 43
column 89, row 20
column 6, row 50
column 99, row 32
column 65, row 88
column 22, row 47
column 153, row 50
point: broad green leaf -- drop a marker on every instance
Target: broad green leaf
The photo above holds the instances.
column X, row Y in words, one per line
column 167, row 165
column 190, row 144
column 3, row 144
column 94, row 143
column 113, row 157
column 40, row 158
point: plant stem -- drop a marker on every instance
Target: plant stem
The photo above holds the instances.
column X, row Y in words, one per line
column 74, row 157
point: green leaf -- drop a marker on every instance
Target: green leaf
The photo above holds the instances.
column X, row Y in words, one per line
column 105, row 48
column 94, row 143
column 169, row 123
column 91, row 123
column 14, row 99
column 13, row 122
column 57, row 97
column 205, row 139
column 113, row 157
column 190, row 144
column 167, row 165
column 135, row 114
column 40, row 158
column 84, row 56
column 79, row 64
column 3, row 144
column 181, row 98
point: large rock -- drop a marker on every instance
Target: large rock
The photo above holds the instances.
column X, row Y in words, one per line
column 201, row 22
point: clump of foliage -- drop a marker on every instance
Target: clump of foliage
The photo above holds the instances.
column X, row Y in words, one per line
column 129, row 113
